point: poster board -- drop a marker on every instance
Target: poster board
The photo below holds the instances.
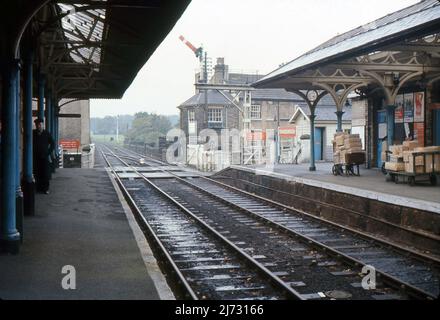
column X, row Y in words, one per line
column 398, row 112
column 408, row 113
column 419, row 106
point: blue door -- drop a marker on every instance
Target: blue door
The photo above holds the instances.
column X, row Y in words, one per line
column 381, row 134
column 318, row 143
column 436, row 127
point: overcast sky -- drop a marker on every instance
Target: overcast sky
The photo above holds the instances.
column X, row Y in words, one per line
column 252, row 36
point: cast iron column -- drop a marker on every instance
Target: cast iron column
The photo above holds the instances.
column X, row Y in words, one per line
column 312, row 142
column 390, row 125
column 18, row 192
column 28, row 178
column 339, row 115
column 48, row 111
column 41, row 84
column 9, row 237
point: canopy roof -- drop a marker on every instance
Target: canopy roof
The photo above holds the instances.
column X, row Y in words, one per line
column 415, row 21
column 94, row 49
column 398, row 51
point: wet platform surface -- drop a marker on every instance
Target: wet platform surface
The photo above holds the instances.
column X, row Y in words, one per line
column 371, row 184
column 83, row 224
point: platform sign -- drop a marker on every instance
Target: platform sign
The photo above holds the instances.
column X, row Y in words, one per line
column 287, row 132
column 398, row 112
column 70, row 144
column 419, row 107
column 408, row 115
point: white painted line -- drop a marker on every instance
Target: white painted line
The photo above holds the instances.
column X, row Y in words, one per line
column 150, row 262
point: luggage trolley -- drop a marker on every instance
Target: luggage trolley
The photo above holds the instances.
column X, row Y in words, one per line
column 418, row 175
column 351, row 166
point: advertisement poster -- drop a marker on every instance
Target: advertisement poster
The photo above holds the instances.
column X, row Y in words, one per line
column 408, row 113
column 419, row 133
column 419, row 107
column 398, row 112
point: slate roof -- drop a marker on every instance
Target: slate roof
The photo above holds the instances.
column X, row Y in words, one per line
column 325, row 111
column 275, row 94
column 214, row 98
column 400, row 25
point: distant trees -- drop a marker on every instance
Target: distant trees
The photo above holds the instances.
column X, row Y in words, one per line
column 107, row 125
column 147, row 128
column 143, row 127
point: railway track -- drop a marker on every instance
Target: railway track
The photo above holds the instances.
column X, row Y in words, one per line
column 323, row 261
column 205, row 263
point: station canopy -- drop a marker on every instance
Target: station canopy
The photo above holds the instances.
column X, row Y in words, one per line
column 398, row 50
column 94, row 49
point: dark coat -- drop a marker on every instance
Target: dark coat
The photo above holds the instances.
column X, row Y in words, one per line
column 43, row 144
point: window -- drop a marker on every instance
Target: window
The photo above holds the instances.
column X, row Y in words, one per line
column 255, row 112
column 215, row 115
column 191, row 116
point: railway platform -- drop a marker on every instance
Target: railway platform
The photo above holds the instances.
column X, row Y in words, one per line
column 81, row 223
column 396, row 213
column 370, row 184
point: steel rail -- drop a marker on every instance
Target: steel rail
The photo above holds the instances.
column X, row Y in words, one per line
column 398, row 248
column 286, row 290
column 152, row 235
column 391, row 280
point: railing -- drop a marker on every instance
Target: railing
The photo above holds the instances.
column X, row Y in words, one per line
column 295, row 160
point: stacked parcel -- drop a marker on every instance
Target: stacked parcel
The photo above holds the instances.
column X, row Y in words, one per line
column 347, row 149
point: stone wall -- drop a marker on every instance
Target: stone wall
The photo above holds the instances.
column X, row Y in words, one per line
column 396, row 223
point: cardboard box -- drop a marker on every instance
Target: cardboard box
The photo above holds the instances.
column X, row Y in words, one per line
column 406, row 155
column 411, row 145
column 418, row 169
column 419, row 160
column 395, row 166
column 431, row 149
column 394, row 158
column 383, row 156
column 430, row 166
column 396, row 149
column 339, row 140
column 353, row 146
column 354, row 150
column 427, row 149
column 352, row 139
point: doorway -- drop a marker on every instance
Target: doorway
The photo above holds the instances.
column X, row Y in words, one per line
column 319, row 143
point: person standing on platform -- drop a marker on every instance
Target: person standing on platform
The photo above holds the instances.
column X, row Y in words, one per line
column 43, row 146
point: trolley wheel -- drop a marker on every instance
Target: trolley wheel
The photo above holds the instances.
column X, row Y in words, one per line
column 412, row 181
column 334, row 170
column 389, row 177
column 384, row 171
column 433, row 179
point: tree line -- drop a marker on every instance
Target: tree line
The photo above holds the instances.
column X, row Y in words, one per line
column 141, row 128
